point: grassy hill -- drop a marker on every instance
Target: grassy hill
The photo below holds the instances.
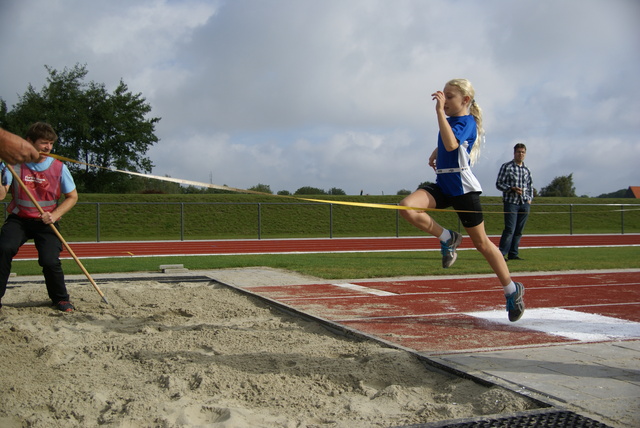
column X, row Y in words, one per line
column 133, row 217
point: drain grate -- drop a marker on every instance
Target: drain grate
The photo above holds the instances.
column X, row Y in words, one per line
column 546, row 419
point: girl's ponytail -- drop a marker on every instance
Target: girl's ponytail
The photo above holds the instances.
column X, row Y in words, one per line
column 476, row 112
column 474, row 109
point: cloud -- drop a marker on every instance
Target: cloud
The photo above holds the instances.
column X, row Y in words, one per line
column 337, row 94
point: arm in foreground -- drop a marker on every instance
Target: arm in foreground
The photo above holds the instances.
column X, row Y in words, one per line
column 15, row 150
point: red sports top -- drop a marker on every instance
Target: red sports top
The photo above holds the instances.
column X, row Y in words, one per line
column 43, row 185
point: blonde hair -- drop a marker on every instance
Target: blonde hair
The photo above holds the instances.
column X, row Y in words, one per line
column 466, row 89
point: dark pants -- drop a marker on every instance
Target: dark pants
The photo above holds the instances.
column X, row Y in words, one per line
column 15, row 232
column 515, row 217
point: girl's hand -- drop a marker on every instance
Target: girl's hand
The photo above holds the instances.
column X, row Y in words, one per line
column 439, row 97
column 432, row 159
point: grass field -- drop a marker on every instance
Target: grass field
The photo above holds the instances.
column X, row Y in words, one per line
column 237, row 216
column 367, row 265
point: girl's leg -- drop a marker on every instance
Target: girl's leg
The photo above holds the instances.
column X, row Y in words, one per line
column 420, row 219
column 490, row 252
column 513, row 292
column 449, row 240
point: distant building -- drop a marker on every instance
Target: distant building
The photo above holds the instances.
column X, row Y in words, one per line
column 633, row 192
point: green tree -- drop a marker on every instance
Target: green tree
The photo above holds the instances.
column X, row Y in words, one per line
column 425, row 183
column 403, row 192
column 560, row 187
column 622, row 193
column 308, row 190
column 262, row 188
column 336, row 191
column 101, row 129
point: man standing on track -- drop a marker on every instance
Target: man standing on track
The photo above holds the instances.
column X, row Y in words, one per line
column 516, row 184
column 47, row 180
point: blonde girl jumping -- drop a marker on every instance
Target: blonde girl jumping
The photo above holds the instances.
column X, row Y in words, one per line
column 461, row 133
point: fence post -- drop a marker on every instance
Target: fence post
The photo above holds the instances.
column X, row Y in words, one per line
column 97, row 221
column 330, row 220
column 397, row 222
column 622, row 219
column 182, row 221
column 570, row 219
column 259, row 220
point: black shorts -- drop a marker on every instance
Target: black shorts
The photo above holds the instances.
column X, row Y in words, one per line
column 468, row 205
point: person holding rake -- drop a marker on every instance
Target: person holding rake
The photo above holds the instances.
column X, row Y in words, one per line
column 47, row 180
column 460, row 123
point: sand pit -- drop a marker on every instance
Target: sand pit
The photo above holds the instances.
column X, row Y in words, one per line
column 198, row 354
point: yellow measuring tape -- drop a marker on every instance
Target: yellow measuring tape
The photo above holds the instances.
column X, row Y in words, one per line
column 324, row 201
column 233, row 189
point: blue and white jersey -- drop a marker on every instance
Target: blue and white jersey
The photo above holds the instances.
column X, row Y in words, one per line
column 453, row 168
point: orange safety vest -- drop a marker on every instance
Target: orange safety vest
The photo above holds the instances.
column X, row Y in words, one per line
column 44, row 186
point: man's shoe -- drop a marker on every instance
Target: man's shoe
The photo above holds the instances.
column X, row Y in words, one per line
column 515, row 303
column 515, row 258
column 448, row 249
column 64, row 306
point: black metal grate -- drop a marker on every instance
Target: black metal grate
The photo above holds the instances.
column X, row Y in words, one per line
column 547, row 419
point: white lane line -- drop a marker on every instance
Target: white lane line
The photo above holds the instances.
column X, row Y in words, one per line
column 367, row 290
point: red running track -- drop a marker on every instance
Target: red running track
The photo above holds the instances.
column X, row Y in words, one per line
column 440, row 316
column 274, row 246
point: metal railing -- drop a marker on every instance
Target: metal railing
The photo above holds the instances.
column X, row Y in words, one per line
column 323, row 219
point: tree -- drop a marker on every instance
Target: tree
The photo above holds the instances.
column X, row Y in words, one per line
column 622, row 193
column 404, row 192
column 308, row 190
column 560, row 187
column 108, row 130
column 262, row 188
column 336, row 191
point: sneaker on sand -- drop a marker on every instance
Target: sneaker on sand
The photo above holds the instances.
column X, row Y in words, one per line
column 64, row 306
column 515, row 303
column 448, row 249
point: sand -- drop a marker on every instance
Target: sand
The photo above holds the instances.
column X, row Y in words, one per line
column 199, row 354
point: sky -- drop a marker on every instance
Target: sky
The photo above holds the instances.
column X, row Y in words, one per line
column 337, row 94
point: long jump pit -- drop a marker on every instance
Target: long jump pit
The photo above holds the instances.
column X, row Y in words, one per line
column 214, row 349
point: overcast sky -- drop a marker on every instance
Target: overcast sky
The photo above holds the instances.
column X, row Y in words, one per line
column 325, row 93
